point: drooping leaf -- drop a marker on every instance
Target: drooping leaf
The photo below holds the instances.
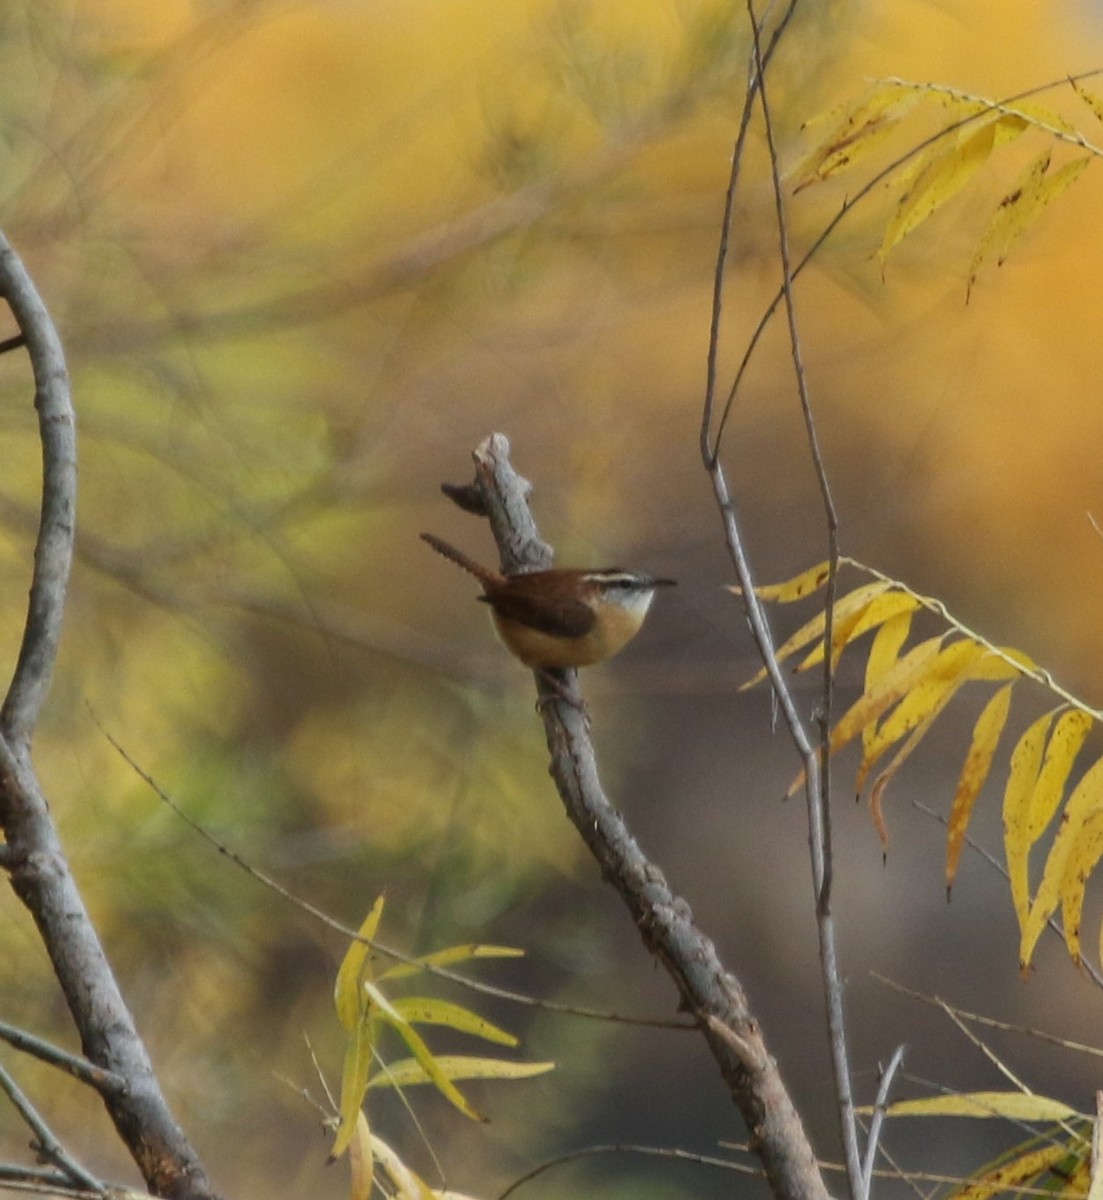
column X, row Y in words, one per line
column 449, row 957
column 1018, row 835
column 1083, row 859
column 426, row 1010
column 796, row 588
column 346, row 991
column 359, row 1050
column 978, row 762
column 872, row 704
column 1015, row 1106
column 1086, row 796
column 886, row 647
column 852, row 624
column 896, row 682
column 846, row 606
column 420, row 1051
column 1063, row 746
column 407, row 1072
column 1021, row 207
column 858, row 130
column 947, row 167
column 929, row 692
column 1089, row 98
column 1011, row 1176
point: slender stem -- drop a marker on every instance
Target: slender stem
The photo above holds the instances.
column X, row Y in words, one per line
column 818, row 798
column 47, row 1145
column 879, row 1106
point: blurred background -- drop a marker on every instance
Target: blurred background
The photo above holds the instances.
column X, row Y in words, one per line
column 304, row 257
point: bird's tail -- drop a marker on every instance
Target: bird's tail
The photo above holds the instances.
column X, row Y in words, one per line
column 483, row 574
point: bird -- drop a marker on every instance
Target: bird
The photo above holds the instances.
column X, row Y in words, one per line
column 562, row 618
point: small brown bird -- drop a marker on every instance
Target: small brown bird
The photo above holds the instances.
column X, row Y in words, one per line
column 564, row 617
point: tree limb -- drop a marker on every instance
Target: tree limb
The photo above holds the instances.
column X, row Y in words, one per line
column 36, row 863
column 709, row 993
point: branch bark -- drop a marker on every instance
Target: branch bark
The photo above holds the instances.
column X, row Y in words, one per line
column 32, row 855
column 709, row 992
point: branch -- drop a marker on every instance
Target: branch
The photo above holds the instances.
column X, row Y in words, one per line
column 46, row 1145
column 709, row 993
column 33, row 856
column 53, row 552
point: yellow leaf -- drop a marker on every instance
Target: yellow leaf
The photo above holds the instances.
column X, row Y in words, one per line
column 1021, row 207
column 882, row 654
column 1083, row 859
column 886, row 647
column 978, row 762
column 1061, row 750
column 420, row 1051
column 405, row 1184
column 449, row 957
column 408, row 1071
column 949, row 168
column 1086, row 796
column 424, row 1010
column 924, row 699
column 361, row 1161
column 810, row 631
column 346, row 991
column 1022, row 777
column 1090, row 99
column 881, row 608
column 860, row 129
column 796, row 588
column 896, row 682
column 354, row 1083
column 1014, row 1106
column 1011, row 1176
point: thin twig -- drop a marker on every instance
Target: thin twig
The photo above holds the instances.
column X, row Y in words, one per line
column 100, row 1078
column 629, row 1148
column 710, row 447
column 873, row 1137
column 818, row 788
column 266, row 881
column 34, row 859
column 46, row 1143
column 991, row 1022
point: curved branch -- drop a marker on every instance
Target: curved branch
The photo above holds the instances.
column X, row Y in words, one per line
column 53, row 554
column 33, row 857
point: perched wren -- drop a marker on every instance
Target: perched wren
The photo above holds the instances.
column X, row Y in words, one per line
column 561, row 618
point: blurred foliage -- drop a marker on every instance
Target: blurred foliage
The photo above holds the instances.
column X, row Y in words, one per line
column 303, row 258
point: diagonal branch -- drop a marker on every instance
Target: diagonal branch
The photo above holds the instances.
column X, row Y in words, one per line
column 711, row 995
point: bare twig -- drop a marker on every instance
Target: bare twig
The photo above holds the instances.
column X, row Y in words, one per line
column 819, row 801
column 705, row 1160
column 475, row 985
column 709, row 993
column 33, row 856
column 46, row 1144
column 873, row 1138
column 80, row 1068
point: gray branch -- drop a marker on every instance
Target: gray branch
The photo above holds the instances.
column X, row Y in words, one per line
column 33, row 856
column 710, row 993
